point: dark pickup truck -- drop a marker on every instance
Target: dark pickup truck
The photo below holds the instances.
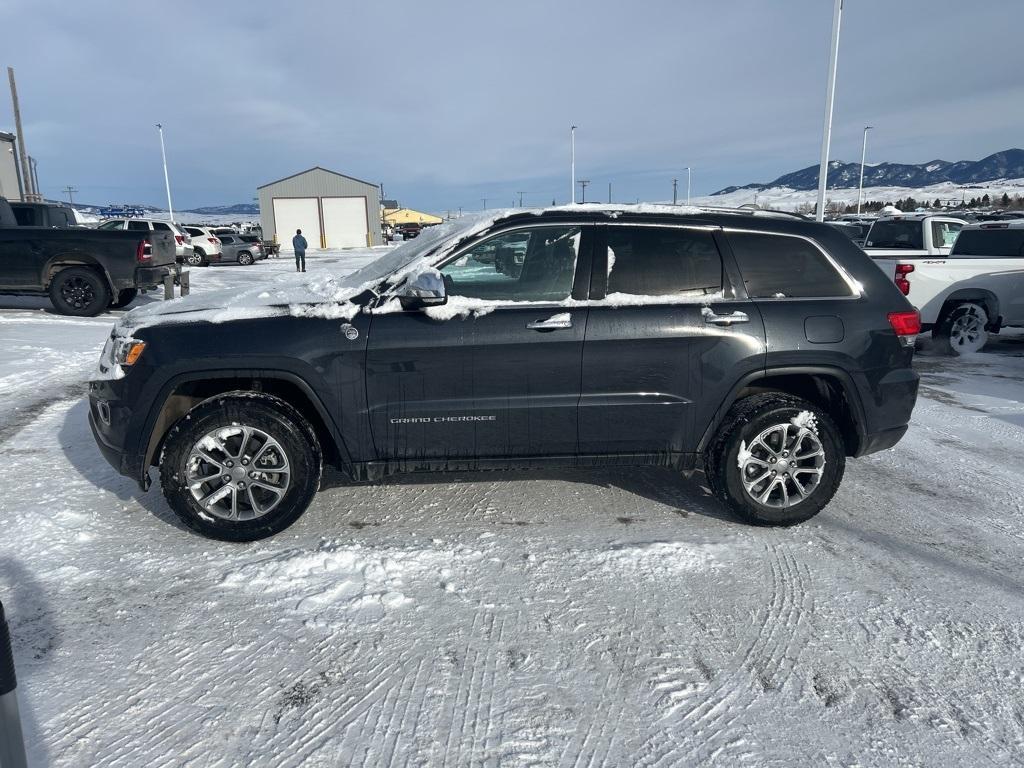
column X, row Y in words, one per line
column 83, row 271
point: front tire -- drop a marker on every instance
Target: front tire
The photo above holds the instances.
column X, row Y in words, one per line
column 777, row 459
column 240, row 466
column 963, row 330
column 79, row 291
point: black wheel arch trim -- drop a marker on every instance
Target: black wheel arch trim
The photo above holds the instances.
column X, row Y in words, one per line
column 844, row 378
column 144, row 435
column 63, row 261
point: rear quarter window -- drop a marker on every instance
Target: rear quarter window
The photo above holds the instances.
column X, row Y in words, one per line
column 782, row 266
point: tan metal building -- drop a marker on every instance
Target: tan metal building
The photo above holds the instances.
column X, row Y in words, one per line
column 332, row 210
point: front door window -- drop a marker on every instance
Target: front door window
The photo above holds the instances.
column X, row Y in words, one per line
column 523, row 265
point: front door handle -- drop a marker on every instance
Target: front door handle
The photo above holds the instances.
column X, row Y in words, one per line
column 553, row 323
column 713, row 318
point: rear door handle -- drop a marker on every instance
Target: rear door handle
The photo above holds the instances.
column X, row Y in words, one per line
column 712, row 318
column 553, row 323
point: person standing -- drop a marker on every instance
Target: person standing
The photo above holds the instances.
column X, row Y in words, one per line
column 299, row 244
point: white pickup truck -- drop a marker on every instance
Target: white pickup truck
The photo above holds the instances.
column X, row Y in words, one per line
column 971, row 291
column 912, row 235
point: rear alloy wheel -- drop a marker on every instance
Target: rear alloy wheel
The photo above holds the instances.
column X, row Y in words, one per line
column 964, row 330
column 79, row 291
column 196, row 259
column 777, row 459
column 245, row 258
column 240, row 467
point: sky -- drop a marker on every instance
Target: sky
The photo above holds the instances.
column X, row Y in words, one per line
column 448, row 103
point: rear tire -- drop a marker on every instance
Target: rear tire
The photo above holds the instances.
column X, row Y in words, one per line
column 208, row 454
column 124, row 298
column 963, row 330
column 781, row 463
column 79, row 291
column 245, row 258
column 197, row 259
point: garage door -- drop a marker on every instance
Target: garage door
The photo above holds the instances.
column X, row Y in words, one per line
column 344, row 221
column 292, row 213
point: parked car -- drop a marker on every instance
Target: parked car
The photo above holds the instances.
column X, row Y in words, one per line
column 206, row 246
column 260, row 251
column 44, row 215
column 83, row 271
column 761, row 348
column 912, row 236
column 234, row 248
column 408, row 231
column 973, row 292
column 856, row 231
column 182, row 240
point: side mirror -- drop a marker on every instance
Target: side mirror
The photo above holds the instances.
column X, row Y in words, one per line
column 423, row 290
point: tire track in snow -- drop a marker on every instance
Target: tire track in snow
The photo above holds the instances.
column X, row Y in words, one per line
column 765, row 666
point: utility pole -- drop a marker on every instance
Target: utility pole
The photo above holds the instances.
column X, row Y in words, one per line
column 34, row 166
column 583, row 189
column 71, row 193
column 687, row 185
column 572, row 163
column 167, row 180
column 520, row 199
column 674, row 184
column 26, row 172
column 830, row 95
column 485, row 202
column 609, row 191
column 863, row 155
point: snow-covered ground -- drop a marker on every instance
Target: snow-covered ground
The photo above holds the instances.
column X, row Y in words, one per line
column 786, row 199
column 613, row 617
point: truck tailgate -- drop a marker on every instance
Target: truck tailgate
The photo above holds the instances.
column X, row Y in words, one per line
column 163, row 248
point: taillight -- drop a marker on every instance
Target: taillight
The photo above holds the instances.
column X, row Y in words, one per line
column 906, row 325
column 143, row 252
column 179, row 239
column 214, row 240
column 902, row 270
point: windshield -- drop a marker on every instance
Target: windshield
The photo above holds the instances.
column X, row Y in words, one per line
column 995, row 243
column 429, row 241
column 896, row 234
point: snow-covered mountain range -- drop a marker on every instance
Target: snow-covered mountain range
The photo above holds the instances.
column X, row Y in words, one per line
column 1008, row 164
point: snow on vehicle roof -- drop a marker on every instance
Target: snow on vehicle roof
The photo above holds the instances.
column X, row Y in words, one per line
column 329, row 297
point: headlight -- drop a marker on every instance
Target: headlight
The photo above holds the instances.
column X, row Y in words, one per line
column 127, row 350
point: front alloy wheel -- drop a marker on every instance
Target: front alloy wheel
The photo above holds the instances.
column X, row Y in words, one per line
column 237, row 473
column 240, row 466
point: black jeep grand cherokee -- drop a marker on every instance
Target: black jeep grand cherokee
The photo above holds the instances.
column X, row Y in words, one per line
column 761, row 348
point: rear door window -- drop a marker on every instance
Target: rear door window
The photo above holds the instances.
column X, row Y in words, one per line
column 159, row 226
column 989, row 243
column 781, row 267
column 662, row 261
column 138, row 226
column 110, row 225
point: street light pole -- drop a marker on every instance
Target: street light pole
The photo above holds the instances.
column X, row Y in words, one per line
column 830, row 94
column 675, row 183
column 572, row 163
column 863, row 155
column 167, row 179
column 687, row 185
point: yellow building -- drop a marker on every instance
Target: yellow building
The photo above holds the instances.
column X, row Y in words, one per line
column 409, row 216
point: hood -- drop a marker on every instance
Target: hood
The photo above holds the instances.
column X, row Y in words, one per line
column 296, row 295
